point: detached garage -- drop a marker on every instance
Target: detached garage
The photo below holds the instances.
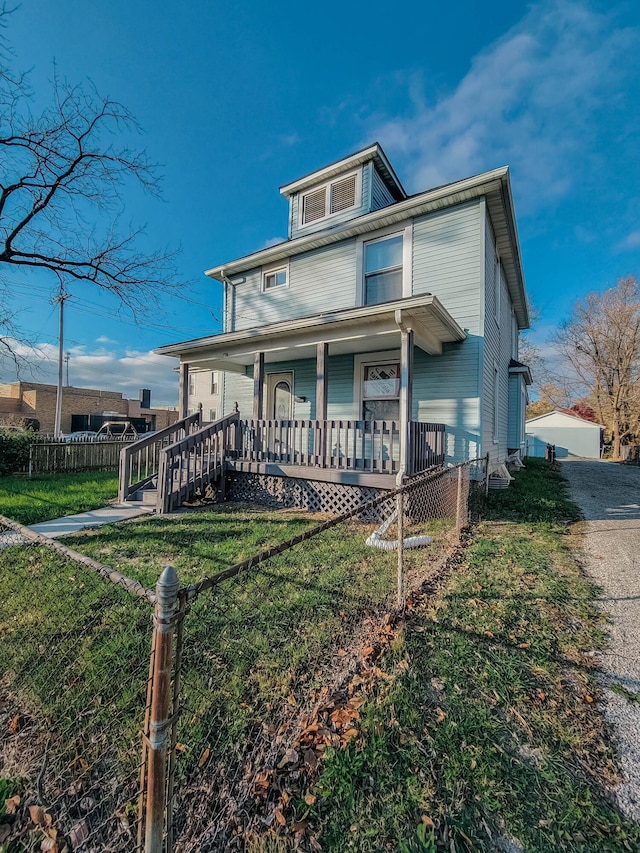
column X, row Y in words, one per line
column 572, row 435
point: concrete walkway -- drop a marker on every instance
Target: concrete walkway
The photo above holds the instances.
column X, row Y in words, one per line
column 94, row 518
column 609, row 497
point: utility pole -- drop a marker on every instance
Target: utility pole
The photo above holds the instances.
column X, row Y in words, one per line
column 60, row 299
column 67, row 356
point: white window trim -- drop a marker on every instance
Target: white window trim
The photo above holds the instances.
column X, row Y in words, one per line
column 496, row 403
column 359, row 364
column 270, row 270
column 327, row 198
column 407, row 255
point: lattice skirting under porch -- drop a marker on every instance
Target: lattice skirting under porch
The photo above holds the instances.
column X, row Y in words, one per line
column 310, row 495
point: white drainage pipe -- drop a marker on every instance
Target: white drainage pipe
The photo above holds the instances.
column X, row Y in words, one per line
column 376, row 540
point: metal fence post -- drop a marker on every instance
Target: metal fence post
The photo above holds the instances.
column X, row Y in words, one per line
column 159, row 721
column 400, row 511
column 459, row 524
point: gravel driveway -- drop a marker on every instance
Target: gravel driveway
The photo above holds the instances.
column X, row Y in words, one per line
column 609, row 497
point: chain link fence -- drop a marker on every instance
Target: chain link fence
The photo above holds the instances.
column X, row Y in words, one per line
column 254, row 672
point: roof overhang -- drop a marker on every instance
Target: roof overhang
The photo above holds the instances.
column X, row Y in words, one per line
column 365, row 329
column 516, row 367
column 372, row 152
column 494, row 186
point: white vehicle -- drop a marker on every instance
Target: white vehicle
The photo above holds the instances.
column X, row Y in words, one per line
column 117, row 429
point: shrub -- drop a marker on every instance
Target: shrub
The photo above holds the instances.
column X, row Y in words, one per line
column 14, row 450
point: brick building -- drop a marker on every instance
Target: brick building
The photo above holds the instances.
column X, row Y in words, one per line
column 82, row 408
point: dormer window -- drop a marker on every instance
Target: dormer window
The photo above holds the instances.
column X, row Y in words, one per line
column 332, row 197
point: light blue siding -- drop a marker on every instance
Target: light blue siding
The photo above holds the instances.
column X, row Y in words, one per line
column 380, row 194
column 498, row 348
column 321, row 280
column 447, row 250
column 516, row 415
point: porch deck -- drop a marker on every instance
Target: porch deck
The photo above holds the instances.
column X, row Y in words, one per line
column 173, row 465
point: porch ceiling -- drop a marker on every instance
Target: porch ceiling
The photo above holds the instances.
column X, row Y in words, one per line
column 364, row 329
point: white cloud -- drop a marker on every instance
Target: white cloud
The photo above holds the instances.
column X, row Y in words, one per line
column 103, row 339
column 273, row 241
column 631, row 241
column 529, row 101
column 107, row 370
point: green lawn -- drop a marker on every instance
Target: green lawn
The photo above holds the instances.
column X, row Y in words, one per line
column 47, row 496
column 489, row 727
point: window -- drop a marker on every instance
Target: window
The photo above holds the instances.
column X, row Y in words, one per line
column 192, row 384
column 274, row 278
column 214, row 383
column 383, row 269
column 331, row 198
column 381, row 391
column 212, row 415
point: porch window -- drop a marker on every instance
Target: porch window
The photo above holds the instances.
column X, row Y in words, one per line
column 383, row 270
column 381, row 392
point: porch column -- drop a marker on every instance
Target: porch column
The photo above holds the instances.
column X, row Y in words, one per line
column 322, row 380
column 184, row 389
column 258, row 386
column 406, row 398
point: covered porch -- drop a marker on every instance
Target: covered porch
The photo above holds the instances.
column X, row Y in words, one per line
column 296, row 422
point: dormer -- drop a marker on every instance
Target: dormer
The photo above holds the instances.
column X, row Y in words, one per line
column 358, row 184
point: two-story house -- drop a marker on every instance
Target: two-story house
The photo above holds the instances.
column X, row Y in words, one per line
column 379, row 338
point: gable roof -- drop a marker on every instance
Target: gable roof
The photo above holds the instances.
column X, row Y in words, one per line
column 564, row 414
column 495, row 186
column 372, row 152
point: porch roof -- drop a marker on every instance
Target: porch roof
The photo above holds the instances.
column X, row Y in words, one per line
column 364, row 329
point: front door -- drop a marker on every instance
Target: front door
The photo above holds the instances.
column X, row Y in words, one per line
column 280, row 413
column 279, row 396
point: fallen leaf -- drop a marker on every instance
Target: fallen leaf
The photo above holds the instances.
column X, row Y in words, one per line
column 16, row 724
column 488, row 634
column 290, row 757
column 368, row 650
column 204, row 758
column 588, row 698
column 49, row 845
column 78, row 833
column 180, row 747
column 280, row 818
column 12, row 804
column 310, row 759
column 291, row 699
column 403, row 664
column 309, row 799
column 437, row 683
column 341, row 653
column 440, row 715
column 542, row 696
column 37, row 815
column 524, row 645
column 426, row 820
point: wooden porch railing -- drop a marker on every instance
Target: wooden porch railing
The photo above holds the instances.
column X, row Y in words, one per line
column 372, row 446
column 426, row 446
column 139, row 460
column 194, row 461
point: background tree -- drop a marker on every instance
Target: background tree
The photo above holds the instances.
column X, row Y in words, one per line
column 601, row 341
column 64, row 173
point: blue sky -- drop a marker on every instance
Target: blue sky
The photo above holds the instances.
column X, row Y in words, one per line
column 237, row 99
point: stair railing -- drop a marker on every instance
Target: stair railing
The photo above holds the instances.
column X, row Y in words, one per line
column 139, row 460
column 190, row 464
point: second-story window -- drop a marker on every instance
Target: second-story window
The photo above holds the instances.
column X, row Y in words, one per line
column 214, row 383
column 274, row 278
column 383, row 270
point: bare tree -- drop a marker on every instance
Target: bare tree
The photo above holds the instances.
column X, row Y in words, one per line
column 601, row 341
column 63, row 177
